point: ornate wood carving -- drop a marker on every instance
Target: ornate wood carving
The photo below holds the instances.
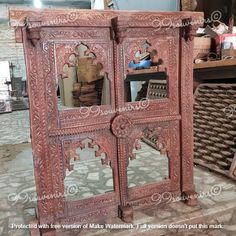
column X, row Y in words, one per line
column 50, row 37
column 121, row 126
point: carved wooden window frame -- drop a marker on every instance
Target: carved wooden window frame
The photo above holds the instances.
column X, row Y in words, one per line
column 51, row 129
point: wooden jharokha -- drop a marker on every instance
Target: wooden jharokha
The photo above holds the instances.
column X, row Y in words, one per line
column 117, row 40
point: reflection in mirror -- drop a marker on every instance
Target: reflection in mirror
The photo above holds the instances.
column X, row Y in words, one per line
column 151, row 163
column 143, row 74
column 83, row 83
column 90, row 174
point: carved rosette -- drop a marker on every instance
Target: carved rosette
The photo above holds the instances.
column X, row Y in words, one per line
column 121, row 126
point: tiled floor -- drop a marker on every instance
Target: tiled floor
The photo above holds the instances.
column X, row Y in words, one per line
column 217, row 206
column 17, row 189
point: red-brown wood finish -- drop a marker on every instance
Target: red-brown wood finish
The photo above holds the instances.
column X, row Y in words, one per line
column 51, row 36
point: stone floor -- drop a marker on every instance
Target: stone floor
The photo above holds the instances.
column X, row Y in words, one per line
column 217, row 206
column 217, row 194
column 14, row 127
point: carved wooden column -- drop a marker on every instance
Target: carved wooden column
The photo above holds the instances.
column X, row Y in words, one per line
column 186, row 71
column 38, row 120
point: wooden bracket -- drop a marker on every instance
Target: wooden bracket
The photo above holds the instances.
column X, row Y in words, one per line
column 187, row 29
column 33, row 35
column 33, row 30
column 119, row 29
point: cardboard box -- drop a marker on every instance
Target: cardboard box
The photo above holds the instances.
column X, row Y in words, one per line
column 226, row 46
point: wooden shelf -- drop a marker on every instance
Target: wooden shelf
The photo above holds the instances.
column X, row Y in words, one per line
column 223, row 71
column 210, row 64
column 146, row 76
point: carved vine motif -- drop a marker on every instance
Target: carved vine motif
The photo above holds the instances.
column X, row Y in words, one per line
column 121, row 126
column 70, row 152
column 187, row 130
column 80, row 17
column 158, row 32
column 75, row 34
column 50, row 84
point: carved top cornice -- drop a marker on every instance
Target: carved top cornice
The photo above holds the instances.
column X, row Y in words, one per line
column 100, row 18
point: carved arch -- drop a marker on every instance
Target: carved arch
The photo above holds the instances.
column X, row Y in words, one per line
column 70, row 147
column 68, row 53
